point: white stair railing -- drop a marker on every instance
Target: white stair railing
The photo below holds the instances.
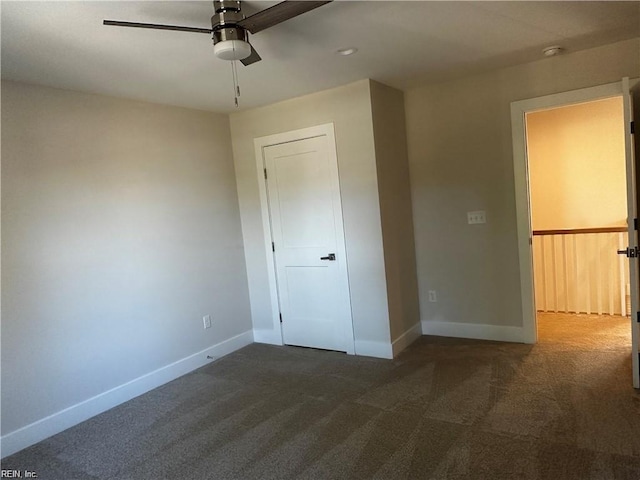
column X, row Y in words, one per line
column 580, row 271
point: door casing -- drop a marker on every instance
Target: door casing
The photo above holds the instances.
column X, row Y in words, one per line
column 259, row 145
column 518, row 128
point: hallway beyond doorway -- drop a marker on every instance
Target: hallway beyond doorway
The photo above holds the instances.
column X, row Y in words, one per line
column 589, row 332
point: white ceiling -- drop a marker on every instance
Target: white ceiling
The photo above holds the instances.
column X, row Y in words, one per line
column 402, row 44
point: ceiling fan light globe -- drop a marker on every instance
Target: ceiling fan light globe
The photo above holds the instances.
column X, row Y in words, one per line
column 232, row 49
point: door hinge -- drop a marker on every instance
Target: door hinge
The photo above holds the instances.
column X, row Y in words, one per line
column 273, row 247
column 635, row 224
column 638, row 317
column 632, row 126
column 265, row 173
column 280, row 317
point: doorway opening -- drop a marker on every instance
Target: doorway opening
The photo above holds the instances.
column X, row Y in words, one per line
column 578, row 209
column 520, row 110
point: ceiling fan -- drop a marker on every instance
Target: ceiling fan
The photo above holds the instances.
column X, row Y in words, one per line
column 229, row 26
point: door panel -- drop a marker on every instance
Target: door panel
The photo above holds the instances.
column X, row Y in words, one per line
column 306, row 223
column 309, row 316
column 303, row 190
column 633, row 209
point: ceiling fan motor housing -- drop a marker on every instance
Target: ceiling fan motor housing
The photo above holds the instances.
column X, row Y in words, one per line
column 229, row 40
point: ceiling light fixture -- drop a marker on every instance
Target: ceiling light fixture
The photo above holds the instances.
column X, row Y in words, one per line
column 232, row 49
column 552, row 51
column 346, row 51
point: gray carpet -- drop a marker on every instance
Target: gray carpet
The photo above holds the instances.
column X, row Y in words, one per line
column 445, row 409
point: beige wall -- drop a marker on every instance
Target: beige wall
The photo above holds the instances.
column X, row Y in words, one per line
column 577, row 166
column 120, row 220
column 120, row 230
column 394, row 190
column 460, row 155
column 349, row 109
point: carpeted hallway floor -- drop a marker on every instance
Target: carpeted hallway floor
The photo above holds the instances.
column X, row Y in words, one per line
column 445, row 409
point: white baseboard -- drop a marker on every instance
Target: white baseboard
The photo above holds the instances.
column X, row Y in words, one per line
column 406, row 339
column 362, row 347
column 471, row 330
column 267, row 336
column 56, row 423
column 369, row 348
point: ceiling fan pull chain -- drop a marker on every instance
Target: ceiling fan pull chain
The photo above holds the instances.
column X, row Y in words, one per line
column 237, row 83
column 236, row 87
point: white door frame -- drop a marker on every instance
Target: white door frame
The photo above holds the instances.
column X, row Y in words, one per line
column 521, row 176
column 259, row 145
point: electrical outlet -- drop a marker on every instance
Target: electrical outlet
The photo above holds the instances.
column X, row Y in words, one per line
column 432, row 296
column 479, row 216
column 206, row 321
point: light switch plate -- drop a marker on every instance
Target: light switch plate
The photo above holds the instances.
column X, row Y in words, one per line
column 479, row 216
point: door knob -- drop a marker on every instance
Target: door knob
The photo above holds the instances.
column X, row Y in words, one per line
column 631, row 252
column 331, row 256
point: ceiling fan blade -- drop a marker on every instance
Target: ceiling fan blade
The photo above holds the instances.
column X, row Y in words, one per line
column 278, row 13
column 253, row 58
column 156, row 26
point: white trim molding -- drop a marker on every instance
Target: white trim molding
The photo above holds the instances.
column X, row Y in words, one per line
column 496, row 333
column 46, row 427
column 270, row 337
column 406, row 339
column 369, row 348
